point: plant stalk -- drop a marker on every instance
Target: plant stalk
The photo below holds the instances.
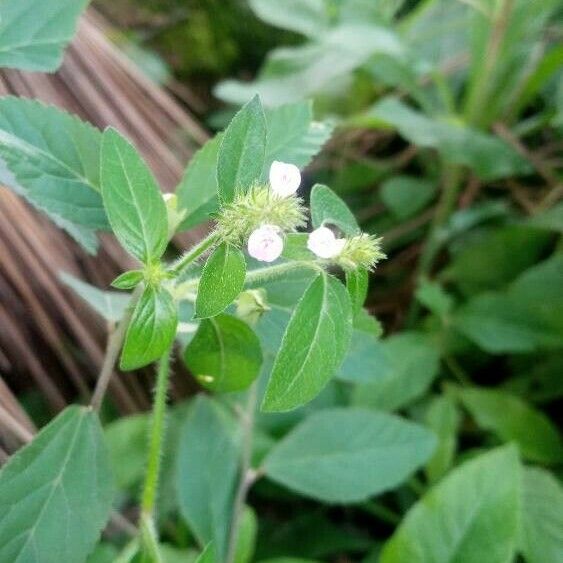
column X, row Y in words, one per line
column 115, row 341
column 247, row 475
column 156, row 438
column 193, row 254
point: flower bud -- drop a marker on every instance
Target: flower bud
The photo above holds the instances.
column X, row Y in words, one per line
column 362, row 251
column 324, row 243
column 265, row 243
column 284, row 178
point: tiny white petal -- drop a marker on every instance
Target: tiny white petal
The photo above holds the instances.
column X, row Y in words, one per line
column 324, row 244
column 265, row 243
column 284, row 178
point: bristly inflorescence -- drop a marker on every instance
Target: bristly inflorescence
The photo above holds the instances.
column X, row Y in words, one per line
column 362, row 251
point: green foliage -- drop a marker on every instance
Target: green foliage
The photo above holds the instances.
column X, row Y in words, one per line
column 472, row 512
column 329, row 456
column 405, row 196
column 33, row 35
column 323, row 320
column 224, row 354
column 63, row 475
column 327, row 207
column 133, row 202
column 221, row 281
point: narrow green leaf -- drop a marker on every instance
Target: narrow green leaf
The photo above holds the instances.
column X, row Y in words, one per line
column 514, row 421
column 225, row 354
column 327, row 207
column 197, row 191
column 471, row 514
column 443, row 418
column 128, row 280
column 357, row 285
column 313, row 346
column 52, row 159
column 133, row 202
column 242, row 151
column 56, row 492
column 542, row 517
column 151, row 330
column 331, row 456
column 207, row 472
column 221, row 281
column 33, row 34
column 109, row 304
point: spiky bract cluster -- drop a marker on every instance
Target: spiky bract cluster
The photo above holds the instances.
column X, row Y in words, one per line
column 362, row 251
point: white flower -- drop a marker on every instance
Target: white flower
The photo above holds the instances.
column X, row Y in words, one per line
column 284, row 178
column 265, row 243
column 324, row 244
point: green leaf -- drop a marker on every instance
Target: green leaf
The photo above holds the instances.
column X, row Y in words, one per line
column 197, row 191
column 295, row 247
column 207, row 473
column 357, row 282
column 542, row 517
column 128, row 280
column 550, row 220
column 34, row 34
column 308, row 17
column 52, row 159
column 488, row 156
column 207, row 555
column 313, row 347
column 293, row 135
column 56, row 492
column 224, row 355
column 414, row 363
column 514, row 421
column 433, row 297
column 443, row 418
column 327, row 207
column 471, row 514
column 242, row 151
column 133, row 202
column 221, row 281
column 332, row 454
column 109, row 304
column 151, row 330
column 247, row 536
column 405, row 196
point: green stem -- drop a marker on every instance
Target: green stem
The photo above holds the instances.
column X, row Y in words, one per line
column 382, row 512
column 247, row 475
column 156, row 437
column 194, row 253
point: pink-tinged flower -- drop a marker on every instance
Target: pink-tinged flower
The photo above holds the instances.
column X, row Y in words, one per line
column 265, row 243
column 284, row 178
column 324, row 243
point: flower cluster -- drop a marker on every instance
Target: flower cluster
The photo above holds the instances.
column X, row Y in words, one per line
column 262, row 216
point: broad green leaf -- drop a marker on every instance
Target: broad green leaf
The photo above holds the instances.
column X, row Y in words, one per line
column 56, row 492
column 197, row 191
column 357, row 282
column 34, row 34
column 469, row 515
column 207, row 473
column 551, row 220
column 151, row 330
column 52, row 159
column 293, row 135
column 313, row 346
column 488, row 156
column 295, row 247
column 433, row 297
column 542, row 517
column 109, row 304
column 331, row 456
column 133, row 202
column 242, row 151
column 309, row 17
column 224, row 355
column 207, row 555
column 405, row 195
column 514, row 421
column 327, row 207
column 443, row 418
column 221, row 281
column 414, row 363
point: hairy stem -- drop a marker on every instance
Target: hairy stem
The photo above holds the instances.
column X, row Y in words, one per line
column 194, row 253
column 247, row 476
column 115, row 341
column 156, row 437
